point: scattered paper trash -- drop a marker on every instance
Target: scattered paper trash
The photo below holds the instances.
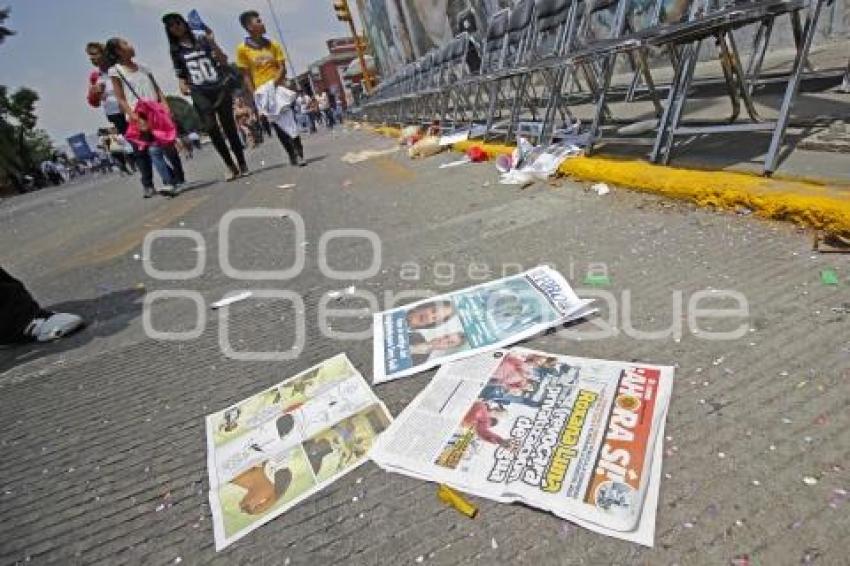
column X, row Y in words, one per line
column 597, row 280
column 504, row 163
column 286, row 186
column 476, row 154
column 410, row 135
column 809, row 480
column 600, row 189
column 537, row 165
column 522, row 150
column 248, row 489
column 639, row 128
column 829, row 277
column 838, row 497
column 523, row 298
column 454, row 499
column 478, row 447
column 231, row 299
column 350, row 290
column 453, row 138
column 358, row 156
column 463, row 161
column 426, row 147
column 843, row 308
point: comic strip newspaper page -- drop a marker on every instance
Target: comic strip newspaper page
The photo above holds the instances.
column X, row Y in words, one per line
column 270, row 451
column 427, row 333
column 574, row 436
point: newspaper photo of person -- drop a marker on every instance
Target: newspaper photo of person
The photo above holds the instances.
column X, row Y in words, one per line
column 578, row 437
column 416, row 337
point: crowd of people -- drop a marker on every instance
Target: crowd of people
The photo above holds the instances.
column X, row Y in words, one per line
column 236, row 109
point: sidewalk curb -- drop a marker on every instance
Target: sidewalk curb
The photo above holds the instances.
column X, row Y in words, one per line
column 820, row 204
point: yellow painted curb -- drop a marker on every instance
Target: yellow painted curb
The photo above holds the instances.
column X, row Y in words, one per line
column 818, row 204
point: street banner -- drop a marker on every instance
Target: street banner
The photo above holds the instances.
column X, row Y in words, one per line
column 80, row 147
column 421, row 335
column 274, row 449
column 578, row 437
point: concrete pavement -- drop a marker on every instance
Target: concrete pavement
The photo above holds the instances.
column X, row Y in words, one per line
column 103, row 435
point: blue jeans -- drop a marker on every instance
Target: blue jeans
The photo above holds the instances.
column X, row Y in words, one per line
column 167, row 163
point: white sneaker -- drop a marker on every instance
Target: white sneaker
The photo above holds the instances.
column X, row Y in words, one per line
column 168, row 190
column 53, row 326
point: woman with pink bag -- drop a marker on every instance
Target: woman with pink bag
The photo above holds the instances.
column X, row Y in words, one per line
column 151, row 131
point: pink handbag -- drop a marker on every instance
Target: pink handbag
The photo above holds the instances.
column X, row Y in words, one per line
column 160, row 126
column 161, row 129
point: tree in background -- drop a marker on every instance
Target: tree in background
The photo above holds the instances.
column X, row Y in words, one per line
column 22, row 146
column 4, row 31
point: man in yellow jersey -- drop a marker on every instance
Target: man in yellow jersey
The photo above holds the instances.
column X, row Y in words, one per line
column 262, row 60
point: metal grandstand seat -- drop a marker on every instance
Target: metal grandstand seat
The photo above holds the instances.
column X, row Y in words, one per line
column 719, row 24
column 453, row 102
column 502, row 81
column 553, row 33
column 494, row 45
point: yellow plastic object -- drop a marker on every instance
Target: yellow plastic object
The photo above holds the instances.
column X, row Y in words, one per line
column 453, row 499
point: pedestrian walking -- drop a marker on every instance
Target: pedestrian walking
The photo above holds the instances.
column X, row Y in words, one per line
column 22, row 319
column 325, row 108
column 202, row 74
column 50, row 169
column 339, row 111
column 113, row 143
column 100, row 93
column 315, row 114
column 263, row 68
column 303, row 102
column 151, row 128
column 194, row 138
column 246, row 121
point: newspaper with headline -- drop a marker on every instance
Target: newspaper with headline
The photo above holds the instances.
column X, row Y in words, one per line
column 581, row 438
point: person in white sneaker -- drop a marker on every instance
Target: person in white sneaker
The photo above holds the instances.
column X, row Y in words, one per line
column 23, row 320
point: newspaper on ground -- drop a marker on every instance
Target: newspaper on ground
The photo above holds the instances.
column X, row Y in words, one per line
column 274, row 449
column 539, row 164
column 419, row 336
column 462, row 135
column 454, row 137
column 581, row 438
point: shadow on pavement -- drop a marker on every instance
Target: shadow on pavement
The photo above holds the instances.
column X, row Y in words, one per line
column 266, row 168
column 195, row 185
column 105, row 315
column 316, row 158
